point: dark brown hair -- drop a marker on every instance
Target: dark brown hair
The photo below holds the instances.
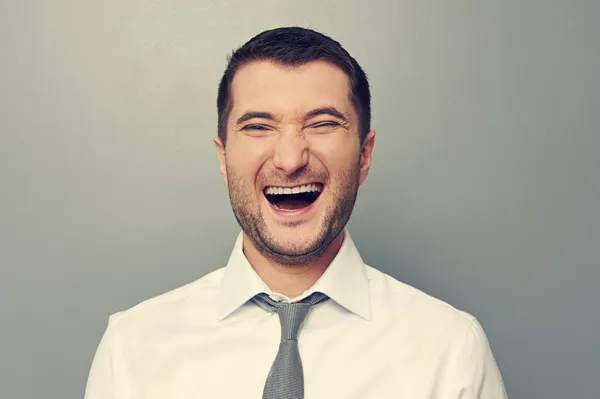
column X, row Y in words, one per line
column 294, row 46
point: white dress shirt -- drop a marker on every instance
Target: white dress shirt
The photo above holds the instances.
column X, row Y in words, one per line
column 375, row 338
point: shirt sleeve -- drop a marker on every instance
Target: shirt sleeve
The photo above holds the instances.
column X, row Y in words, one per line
column 481, row 378
column 103, row 376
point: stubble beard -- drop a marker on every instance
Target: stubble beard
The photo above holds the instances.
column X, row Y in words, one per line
column 250, row 218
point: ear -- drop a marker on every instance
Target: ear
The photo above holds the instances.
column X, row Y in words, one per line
column 366, row 155
column 220, row 147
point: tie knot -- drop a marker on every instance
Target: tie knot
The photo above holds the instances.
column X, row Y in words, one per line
column 291, row 315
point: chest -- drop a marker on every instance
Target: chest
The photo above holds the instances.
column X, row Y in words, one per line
column 341, row 361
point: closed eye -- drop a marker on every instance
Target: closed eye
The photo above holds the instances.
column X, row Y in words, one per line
column 256, row 127
column 325, row 124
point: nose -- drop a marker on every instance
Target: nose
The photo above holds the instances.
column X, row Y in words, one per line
column 291, row 152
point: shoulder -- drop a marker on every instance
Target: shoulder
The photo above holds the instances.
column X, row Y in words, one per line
column 421, row 313
column 172, row 307
column 439, row 338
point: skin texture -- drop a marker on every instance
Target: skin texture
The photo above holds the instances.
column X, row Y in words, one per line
column 285, row 145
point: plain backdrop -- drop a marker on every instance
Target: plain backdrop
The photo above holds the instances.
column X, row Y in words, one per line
column 484, row 190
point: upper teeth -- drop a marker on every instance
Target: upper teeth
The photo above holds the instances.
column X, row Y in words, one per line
column 307, row 188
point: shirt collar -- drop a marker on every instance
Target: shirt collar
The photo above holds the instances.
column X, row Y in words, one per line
column 345, row 281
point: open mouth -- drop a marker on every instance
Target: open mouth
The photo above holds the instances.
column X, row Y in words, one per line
column 293, row 198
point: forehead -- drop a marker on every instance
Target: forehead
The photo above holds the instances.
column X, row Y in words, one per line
column 282, row 90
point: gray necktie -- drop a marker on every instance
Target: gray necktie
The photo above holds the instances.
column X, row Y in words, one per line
column 286, row 378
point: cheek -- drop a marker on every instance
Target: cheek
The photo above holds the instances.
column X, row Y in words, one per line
column 337, row 154
column 246, row 157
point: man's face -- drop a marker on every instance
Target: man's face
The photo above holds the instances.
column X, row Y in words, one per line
column 293, row 161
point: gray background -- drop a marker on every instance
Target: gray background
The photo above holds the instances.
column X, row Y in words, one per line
column 484, row 189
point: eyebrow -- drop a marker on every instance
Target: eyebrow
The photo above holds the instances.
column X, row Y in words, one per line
column 326, row 111
column 253, row 114
column 311, row 114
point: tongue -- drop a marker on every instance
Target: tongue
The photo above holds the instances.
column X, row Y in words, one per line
column 291, row 204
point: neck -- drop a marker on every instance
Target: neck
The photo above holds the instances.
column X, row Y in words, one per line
column 290, row 281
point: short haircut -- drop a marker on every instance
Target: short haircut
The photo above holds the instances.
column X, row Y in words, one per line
column 293, row 47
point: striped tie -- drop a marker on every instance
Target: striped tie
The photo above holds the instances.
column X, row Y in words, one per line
column 286, row 378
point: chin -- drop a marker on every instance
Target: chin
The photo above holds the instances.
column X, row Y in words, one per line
column 295, row 234
column 294, row 239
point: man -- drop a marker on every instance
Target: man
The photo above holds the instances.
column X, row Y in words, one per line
column 295, row 313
